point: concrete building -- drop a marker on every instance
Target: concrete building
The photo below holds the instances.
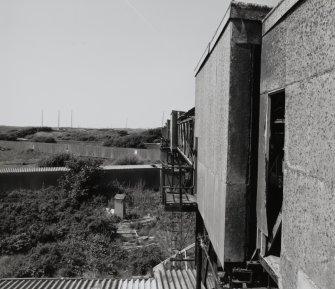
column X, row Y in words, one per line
column 227, row 83
column 297, row 73
column 262, row 146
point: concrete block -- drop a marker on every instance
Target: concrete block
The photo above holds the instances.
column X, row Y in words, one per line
column 273, row 60
column 310, row 126
column 310, row 45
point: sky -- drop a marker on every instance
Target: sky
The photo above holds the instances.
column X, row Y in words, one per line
column 114, row 63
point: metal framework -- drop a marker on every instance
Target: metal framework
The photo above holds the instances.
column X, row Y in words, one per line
column 177, row 181
column 177, row 177
column 186, row 139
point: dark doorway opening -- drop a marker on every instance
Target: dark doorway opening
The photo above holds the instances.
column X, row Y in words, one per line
column 275, row 171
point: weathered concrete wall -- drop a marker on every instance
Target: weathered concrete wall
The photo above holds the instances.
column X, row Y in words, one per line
column 86, row 150
column 34, row 179
column 212, row 106
column 223, row 128
column 299, row 55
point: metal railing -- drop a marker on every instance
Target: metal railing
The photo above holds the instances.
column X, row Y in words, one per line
column 186, row 139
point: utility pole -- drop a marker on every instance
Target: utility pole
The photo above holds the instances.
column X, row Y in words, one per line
column 58, row 119
column 71, row 118
column 42, row 117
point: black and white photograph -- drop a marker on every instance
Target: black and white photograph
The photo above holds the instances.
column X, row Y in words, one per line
column 164, row 144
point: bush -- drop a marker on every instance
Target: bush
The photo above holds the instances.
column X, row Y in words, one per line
column 56, row 237
column 144, row 259
column 87, row 138
column 58, row 160
column 129, row 160
column 19, row 243
column 122, row 132
column 134, row 140
column 81, row 181
column 13, row 134
column 46, row 139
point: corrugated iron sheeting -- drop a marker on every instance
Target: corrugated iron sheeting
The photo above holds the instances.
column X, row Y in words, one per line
column 175, row 279
column 62, row 283
column 65, row 169
column 33, row 170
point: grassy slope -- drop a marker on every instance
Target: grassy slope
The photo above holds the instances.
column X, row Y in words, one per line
column 17, row 158
column 75, row 134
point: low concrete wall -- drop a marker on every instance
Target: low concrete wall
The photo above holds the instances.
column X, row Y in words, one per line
column 85, row 150
column 36, row 178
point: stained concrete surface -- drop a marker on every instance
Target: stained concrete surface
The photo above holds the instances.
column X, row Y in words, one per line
column 223, row 100
column 299, row 56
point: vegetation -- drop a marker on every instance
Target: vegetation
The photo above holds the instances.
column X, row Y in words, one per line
column 41, row 138
column 66, row 231
column 57, row 160
column 129, row 138
column 129, row 160
column 15, row 158
column 135, row 140
column 59, row 232
column 14, row 134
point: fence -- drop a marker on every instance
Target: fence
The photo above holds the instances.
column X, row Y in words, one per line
column 85, row 150
column 36, row 178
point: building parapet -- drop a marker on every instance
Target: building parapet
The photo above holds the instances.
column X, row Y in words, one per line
column 236, row 10
column 277, row 13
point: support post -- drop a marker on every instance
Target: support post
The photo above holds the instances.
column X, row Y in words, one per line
column 198, row 250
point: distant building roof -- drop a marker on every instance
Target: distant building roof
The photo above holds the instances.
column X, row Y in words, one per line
column 76, row 283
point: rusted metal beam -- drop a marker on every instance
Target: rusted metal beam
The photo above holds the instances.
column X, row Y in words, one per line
column 185, row 157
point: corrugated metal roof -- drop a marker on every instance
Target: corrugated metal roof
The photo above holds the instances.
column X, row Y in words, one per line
column 129, row 167
column 33, row 170
column 164, row 279
column 175, row 279
column 75, row 283
column 65, row 169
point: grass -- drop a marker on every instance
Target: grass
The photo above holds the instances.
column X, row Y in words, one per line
column 79, row 134
column 16, row 158
column 129, row 160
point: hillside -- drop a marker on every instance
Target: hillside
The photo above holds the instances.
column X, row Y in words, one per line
column 134, row 138
column 129, row 138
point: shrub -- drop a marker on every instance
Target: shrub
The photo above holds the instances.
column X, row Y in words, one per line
column 128, row 160
column 81, row 180
column 58, row 160
column 19, row 243
column 46, row 139
column 122, row 132
column 13, row 134
column 87, row 138
column 134, row 140
column 145, row 258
